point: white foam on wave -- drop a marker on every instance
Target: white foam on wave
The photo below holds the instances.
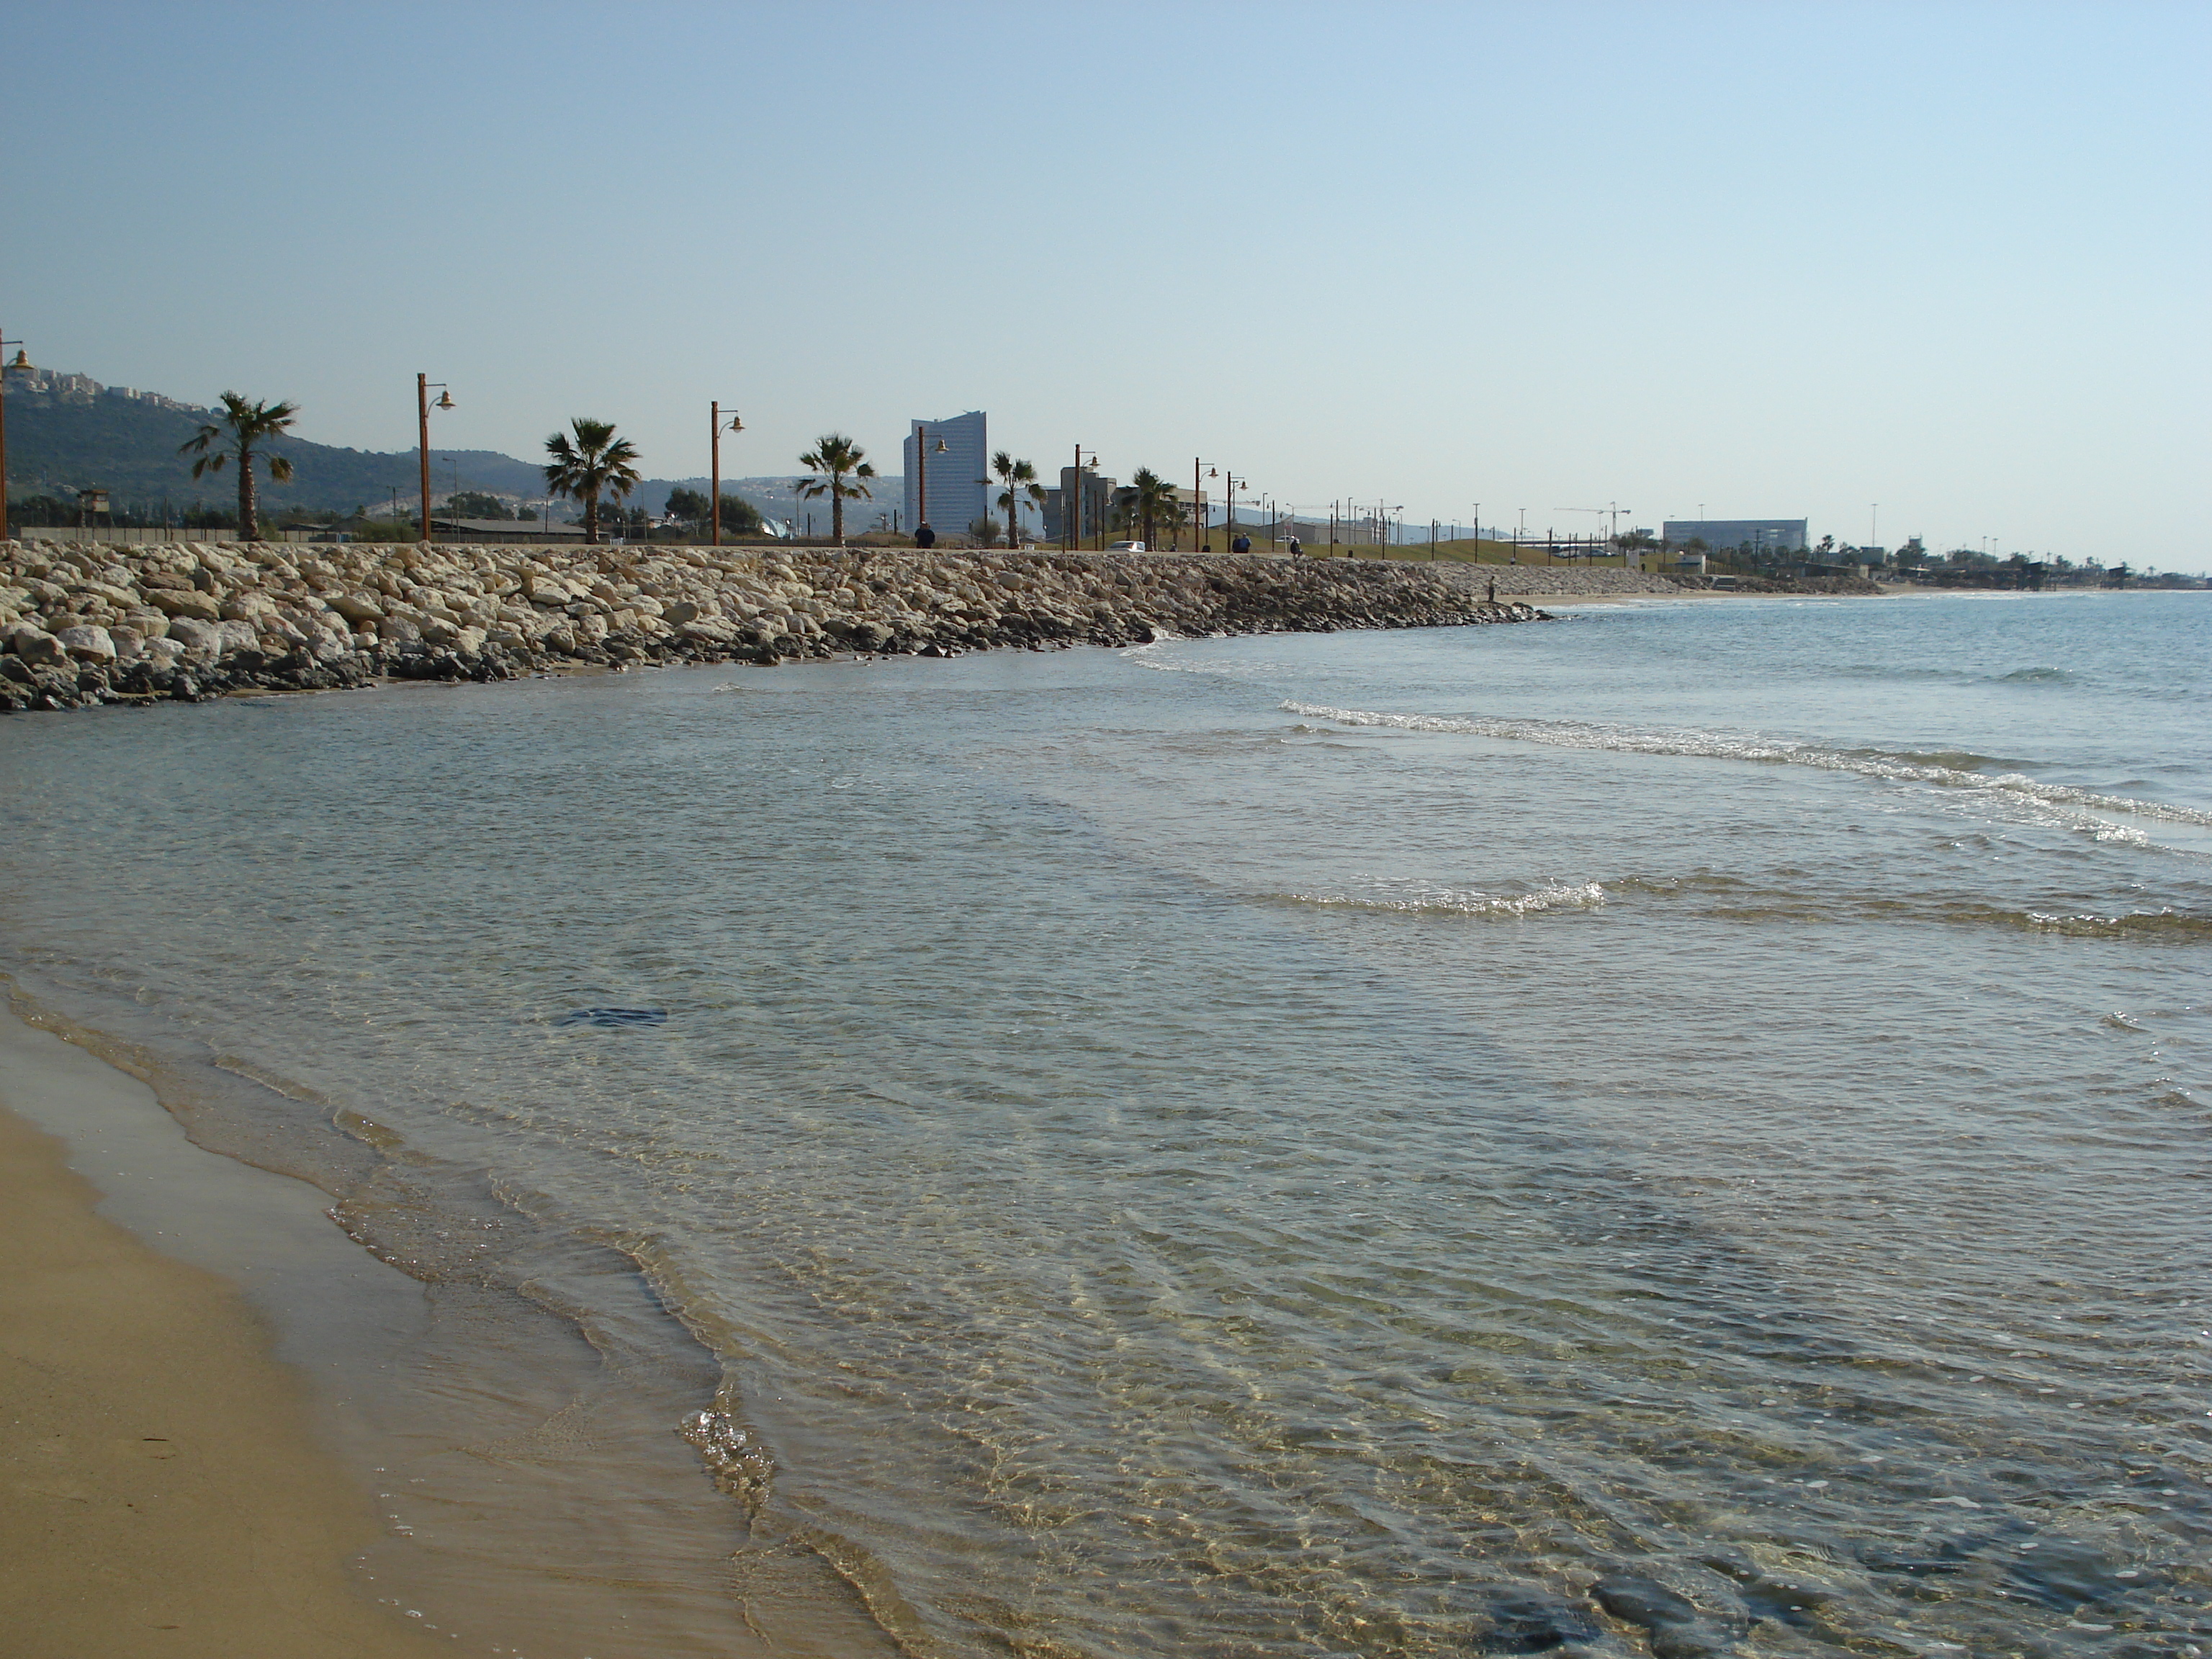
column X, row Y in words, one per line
column 1569, row 734
column 1457, row 902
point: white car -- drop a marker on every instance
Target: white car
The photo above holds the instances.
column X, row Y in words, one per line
column 1125, row 547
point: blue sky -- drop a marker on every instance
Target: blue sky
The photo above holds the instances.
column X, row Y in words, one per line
column 1772, row 258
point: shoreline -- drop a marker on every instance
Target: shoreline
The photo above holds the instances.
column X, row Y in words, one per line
column 165, row 1492
column 537, row 1498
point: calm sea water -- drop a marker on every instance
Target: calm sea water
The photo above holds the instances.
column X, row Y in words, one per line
column 1302, row 1144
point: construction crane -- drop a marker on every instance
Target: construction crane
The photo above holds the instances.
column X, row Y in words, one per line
column 1612, row 512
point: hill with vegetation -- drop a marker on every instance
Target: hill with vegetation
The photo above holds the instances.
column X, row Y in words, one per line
column 59, row 444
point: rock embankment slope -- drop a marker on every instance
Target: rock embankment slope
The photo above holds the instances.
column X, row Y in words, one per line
column 1522, row 580
column 83, row 623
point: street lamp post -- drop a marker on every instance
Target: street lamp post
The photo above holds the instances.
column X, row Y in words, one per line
column 1232, row 483
column 423, row 407
column 1071, row 503
column 921, row 472
column 1200, row 473
column 22, row 362
column 716, row 426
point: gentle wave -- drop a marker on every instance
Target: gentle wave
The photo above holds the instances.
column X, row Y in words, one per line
column 1874, row 763
column 1737, row 898
column 1445, row 901
column 2164, row 923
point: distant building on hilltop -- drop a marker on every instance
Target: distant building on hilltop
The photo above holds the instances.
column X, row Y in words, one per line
column 37, row 385
column 958, row 481
column 1761, row 535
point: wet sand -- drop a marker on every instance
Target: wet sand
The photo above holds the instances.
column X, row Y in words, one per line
column 160, row 1493
column 205, row 1382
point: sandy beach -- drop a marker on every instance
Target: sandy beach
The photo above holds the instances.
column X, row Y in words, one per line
column 162, row 1494
column 231, row 1430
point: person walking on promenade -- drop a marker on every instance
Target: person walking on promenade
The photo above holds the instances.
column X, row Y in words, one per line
column 1241, row 544
column 1295, row 548
column 924, row 535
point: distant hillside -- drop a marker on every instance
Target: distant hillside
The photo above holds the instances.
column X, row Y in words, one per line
column 129, row 445
column 66, row 432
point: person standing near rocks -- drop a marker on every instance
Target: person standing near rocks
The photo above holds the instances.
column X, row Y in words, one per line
column 1296, row 549
column 1493, row 590
column 924, row 535
column 1241, row 544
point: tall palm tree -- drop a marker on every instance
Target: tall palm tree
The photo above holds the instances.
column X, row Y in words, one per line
column 1153, row 500
column 244, row 430
column 1020, row 479
column 597, row 463
column 836, row 457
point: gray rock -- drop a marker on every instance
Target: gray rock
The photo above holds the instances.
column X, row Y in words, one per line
column 34, row 645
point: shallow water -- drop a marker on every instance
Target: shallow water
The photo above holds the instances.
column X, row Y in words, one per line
column 1323, row 1144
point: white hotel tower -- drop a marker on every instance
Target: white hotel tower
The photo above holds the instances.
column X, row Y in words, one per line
column 957, row 480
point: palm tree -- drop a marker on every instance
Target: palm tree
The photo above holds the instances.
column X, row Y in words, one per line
column 1153, row 500
column 836, row 457
column 1020, row 479
column 596, row 463
column 244, row 429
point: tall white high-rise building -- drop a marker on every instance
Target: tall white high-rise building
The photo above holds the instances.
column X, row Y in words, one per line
column 958, row 481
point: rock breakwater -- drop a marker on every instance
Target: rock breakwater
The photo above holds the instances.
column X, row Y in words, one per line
column 83, row 624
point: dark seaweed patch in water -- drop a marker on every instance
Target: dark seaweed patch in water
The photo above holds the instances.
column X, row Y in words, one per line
column 2065, row 1574
column 614, row 1017
column 1678, row 1630
column 1534, row 1621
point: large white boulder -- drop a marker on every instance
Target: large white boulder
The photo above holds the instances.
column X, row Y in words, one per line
column 88, row 644
column 250, row 605
column 195, row 635
column 356, row 608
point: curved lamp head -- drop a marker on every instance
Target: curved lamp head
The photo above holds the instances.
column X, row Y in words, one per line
column 22, row 363
column 940, row 448
column 445, row 401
